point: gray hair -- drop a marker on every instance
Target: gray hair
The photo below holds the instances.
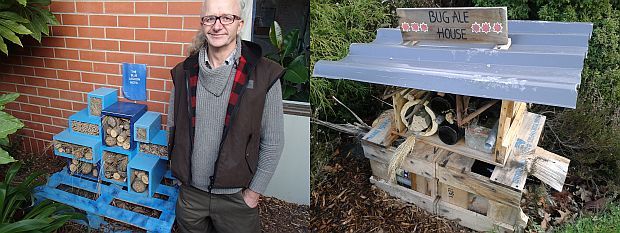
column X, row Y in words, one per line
column 200, row 38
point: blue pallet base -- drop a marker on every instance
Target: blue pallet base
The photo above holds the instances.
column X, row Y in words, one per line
column 99, row 209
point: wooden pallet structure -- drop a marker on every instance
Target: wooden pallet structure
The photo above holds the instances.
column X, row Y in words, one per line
column 87, row 183
column 481, row 190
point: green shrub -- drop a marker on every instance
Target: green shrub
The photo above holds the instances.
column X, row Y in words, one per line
column 24, row 17
column 292, row 57
column 18, row 213
column 8, row 125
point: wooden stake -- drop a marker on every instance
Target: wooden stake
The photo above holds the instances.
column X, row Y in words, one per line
column 477, row 112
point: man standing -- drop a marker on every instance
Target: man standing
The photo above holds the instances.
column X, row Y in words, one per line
column 226, row 125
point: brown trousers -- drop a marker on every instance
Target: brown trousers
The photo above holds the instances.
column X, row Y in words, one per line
column 200, row 211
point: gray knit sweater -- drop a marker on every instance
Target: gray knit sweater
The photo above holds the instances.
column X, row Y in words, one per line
column 212, row 94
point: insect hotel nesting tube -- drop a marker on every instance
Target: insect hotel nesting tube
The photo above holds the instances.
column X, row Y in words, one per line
column 158, row 146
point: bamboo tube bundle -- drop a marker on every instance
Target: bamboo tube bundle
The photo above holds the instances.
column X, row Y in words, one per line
column 154, row 149
column 95, row 106
column 75, row 150
column 117, row 131
column 115, row 166
column 85, row 168
column 141, row 133
column 85, row 128
column 139, row 181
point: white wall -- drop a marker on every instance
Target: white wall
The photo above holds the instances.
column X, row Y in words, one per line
column 291, row 181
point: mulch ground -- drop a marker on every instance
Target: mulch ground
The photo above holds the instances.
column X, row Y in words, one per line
column 276, row 215
column 344, row 200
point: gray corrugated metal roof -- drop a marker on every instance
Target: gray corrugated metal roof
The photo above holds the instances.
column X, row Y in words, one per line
column 542, row 66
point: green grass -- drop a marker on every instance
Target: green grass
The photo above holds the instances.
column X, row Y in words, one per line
column 607, row 221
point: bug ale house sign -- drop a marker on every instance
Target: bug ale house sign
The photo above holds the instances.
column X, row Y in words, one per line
column 473, row 25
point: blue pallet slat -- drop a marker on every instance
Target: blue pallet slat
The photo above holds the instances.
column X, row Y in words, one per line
column 127, row 110
column 151, row 123
column 101, row 207
column 83, row 116
column 108, row 97
column 79, row 139
column 155, row 167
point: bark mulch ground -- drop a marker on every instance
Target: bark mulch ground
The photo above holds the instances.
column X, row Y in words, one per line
column 276, row 215
column 344, row 200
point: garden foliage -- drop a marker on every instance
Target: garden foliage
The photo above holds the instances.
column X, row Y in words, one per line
column 8, row 125
column 19, row 213
column 24, row 17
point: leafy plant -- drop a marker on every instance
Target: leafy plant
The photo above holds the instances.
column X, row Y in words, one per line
column 24, row 17
column 8, row 125
column 18, row 213
column 292, row 57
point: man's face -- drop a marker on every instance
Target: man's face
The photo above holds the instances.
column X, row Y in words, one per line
column 220, row 35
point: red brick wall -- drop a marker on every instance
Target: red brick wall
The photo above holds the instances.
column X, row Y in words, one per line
column 85, row 52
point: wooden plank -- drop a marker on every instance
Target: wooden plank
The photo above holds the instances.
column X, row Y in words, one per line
column 398, row 101
column 422, row 186
column 550, row 168
column 420, row 161
column 502, row 126
column 463, row 216
column 381, row 130
column 377, row 153
column 514, row 174
column 454, row 195
column 379, row 170
column 478, row 204
column 459, row 148
column 508, row 142
column 510, row 215
column 475, row 183
column 463, row 25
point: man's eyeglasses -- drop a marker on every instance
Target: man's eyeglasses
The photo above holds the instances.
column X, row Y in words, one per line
column 224, row 19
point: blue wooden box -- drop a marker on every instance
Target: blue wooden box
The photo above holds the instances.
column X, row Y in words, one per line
column 160, row 139
column 155, row 167
column 95, row 166
column 79, row 139
column 84, row 117
column 129, row 153
column 149, row 124
column 127, row 110
column 107, row 97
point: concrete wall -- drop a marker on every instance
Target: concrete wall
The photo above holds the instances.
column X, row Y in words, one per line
column 291, row 182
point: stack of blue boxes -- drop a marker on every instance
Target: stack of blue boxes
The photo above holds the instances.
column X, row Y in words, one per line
column 86, row 169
